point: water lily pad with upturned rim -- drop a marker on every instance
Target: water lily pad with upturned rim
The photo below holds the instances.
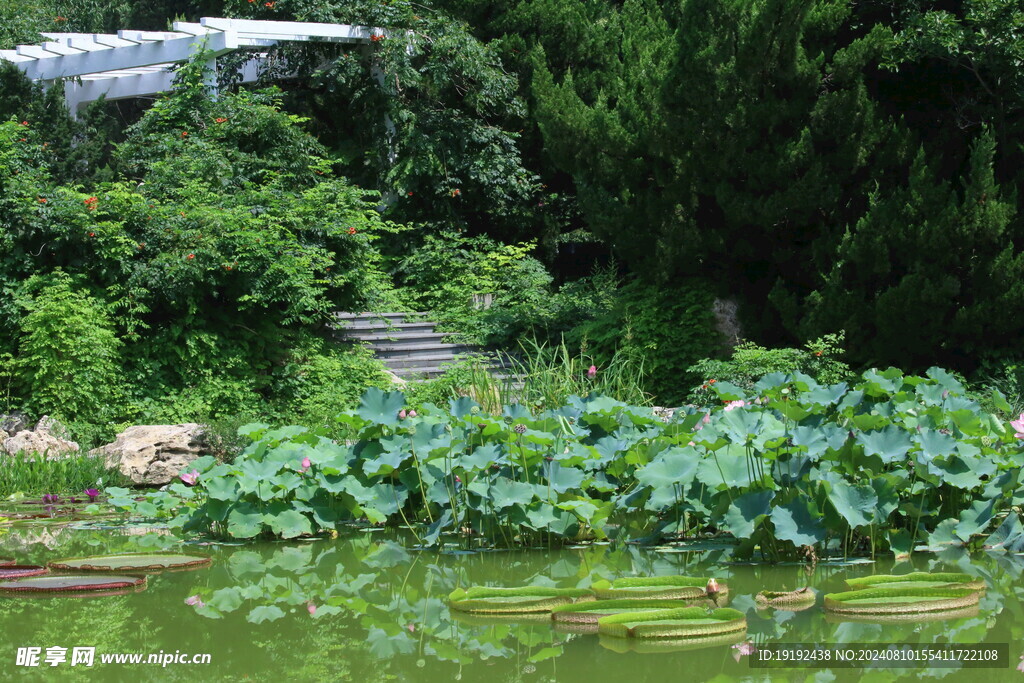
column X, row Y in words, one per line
column 495, row 600
column 687, row 622
column 889, row 601
column 4, row 561
column 10, row 572
column 917, row 580
column 792, row 601
column 72, row 583
column 655, row 645
column 134, row 562
column 590, row 612
column 654, row 588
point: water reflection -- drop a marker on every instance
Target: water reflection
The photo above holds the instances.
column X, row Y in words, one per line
column 367, row 607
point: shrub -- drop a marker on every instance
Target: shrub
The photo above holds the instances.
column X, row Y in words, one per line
column 68, row 354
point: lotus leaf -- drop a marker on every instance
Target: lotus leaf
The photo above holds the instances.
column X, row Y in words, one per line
column 900, row 600
column 494, row 600
column 131, row 562
column 918, row 579
column 686, row 622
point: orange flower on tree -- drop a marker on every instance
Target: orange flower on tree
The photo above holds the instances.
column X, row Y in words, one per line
column 377, row 37
column 91, row 203
column 351, row 231
column 456, row 192
column 190, row 257
column 42, row 200
column 219, row 119
column 184, row 133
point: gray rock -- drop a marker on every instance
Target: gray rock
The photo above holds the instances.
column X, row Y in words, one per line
column 13, row 422
column 154, row 454
column 31, row 443
column 50, row 425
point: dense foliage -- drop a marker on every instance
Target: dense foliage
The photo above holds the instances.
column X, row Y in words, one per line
column 888, row 462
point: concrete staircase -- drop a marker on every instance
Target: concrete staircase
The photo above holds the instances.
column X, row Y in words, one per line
column 408, row 344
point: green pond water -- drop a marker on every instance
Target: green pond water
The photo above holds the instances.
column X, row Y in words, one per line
column 380, row 613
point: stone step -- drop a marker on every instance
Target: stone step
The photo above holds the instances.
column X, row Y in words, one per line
column 361, row 328
column 386, row 351
column 378, row 316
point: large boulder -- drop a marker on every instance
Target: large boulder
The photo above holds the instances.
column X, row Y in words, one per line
column 154, row 454
column 14, row 422
column 38, row 442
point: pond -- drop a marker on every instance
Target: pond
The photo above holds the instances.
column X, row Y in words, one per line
column 368, row 606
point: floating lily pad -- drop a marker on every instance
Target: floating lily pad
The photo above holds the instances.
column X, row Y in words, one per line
column 912, row 600
column 132, row 562
column 488, row 619
column 4, row 561
column 654, row 588
column 72, row 583
column 590, row 612
column 683, row 623
column 9, row 572
column 791, row 601
column 491, row 600
column 656, row 645
column 917, row 617
column 918, row 580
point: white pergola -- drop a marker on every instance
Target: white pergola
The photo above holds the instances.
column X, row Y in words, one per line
column 140, row 63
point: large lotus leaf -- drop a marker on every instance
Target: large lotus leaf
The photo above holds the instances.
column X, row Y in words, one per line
column 976, row 518
column 850, row 401
column 746, row 512
column 541, row 515
column 825, row 395
column 672, row 466
column 385, row 463
column 245, row 521
column 604, row 451
column 790, row 409
column 381, row 407
column 462, row 406
column 854, row 502
column 1008, row 536
column 729, row 468
column 772, row 380
column 286, row 482
column 900, row 543
column 811, row 438
column 798, row 522
column 481, row 458
column 963, row 473
column 935, row 444
column 562, row 479
column 254, row 476
column 222, row 488
column 246, row 563
column 288, row 523
column 437, row 527
column 945, row 535
column 888, row 497
column 583, row 509
column 505, row 493
column 789, row 471
column 727, row 391
column 945, row 379
column 226, row 599
column 882, row 383
column 130, row 562
column 263, row 613
column 891, row 444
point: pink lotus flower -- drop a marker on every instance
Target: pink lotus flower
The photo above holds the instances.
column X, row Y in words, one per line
column 311, row 608
column 744, row 649
column 401, row 414
column 1018, row 426
column 306, row 464
column 411, row 628
column 592, row 372
column 703, row 421
column 412, row 413
column 1020, row 667
column 190, row 478
column 734, row 404
column 93, row 494
column 194, row 601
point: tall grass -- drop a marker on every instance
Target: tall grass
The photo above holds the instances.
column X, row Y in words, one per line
column 33, row 474
column 540, row 376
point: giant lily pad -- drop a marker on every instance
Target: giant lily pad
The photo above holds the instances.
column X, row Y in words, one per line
column 4, row 561
column 492, row 600
column 590, row 612
column 791, row 601
column 21, row 571
column 917, row 617
column 686, row 622
column 131, row 562
column 894, row 600
column 918, row 580
column 654, row 588
column 72, row 583
column 654, row 645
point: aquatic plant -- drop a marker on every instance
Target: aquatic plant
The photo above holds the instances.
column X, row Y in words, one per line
column 687, row 622
column 663, row 587
column 919, row 580
column 494, row 600
column 132, row 562
column 800, row 599
column 70, row 583
column 795, row 469
column 900, row 600
column 590, row 612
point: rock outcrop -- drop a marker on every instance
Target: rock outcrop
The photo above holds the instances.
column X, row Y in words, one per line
column 154, row 454
column 47, row 438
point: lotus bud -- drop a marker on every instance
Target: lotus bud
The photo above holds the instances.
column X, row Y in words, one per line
column 401, row 414
column 412, row 413
column 712, row 587
column 592, row 372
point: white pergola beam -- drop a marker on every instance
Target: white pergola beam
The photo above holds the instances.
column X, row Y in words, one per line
column 112, row 40
column 13, row 56
column 144, row 54
column 191, row 28
column 34, row 51
column 60, row 48
column 150, row 36
column 290, row 30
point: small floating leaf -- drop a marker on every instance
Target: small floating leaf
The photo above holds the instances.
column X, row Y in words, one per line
column 131, row 562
